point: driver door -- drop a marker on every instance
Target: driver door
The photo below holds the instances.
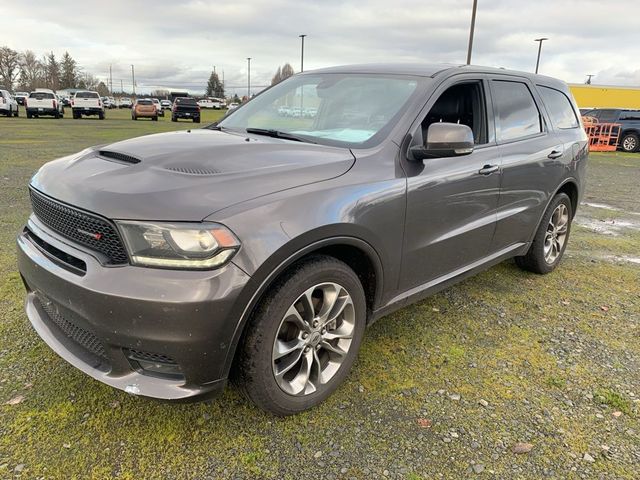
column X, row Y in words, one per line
column 452, row 202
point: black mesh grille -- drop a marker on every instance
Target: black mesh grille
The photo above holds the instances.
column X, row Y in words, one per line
column 150, row 357
column 90, row 230
column 79, row 335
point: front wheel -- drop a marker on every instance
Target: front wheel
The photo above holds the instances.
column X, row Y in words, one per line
column 304, row 337
column 551, row 239
column 630, row 143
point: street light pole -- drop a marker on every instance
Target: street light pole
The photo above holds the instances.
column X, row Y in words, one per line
column 472, row 30
column 133, row 81
column 302, row 53
column 588, row 82
column 248, row 78
column 539, row 40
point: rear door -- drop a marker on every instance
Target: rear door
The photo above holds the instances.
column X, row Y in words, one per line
column 452, row 202
column 532, row 159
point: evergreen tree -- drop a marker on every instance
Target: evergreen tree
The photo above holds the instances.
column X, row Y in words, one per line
column 68, row 71
column 52, row 68
column 214, row 86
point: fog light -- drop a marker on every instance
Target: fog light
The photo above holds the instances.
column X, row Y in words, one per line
column 159, row 368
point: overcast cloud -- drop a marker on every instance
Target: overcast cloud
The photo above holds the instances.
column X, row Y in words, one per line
column 176, row 44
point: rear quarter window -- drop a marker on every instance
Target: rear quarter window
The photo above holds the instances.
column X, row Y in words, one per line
column 559, row 107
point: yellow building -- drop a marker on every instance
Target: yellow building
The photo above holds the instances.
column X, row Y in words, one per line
column 602, row 96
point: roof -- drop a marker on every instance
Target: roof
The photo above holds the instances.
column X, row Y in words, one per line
column 428, row 70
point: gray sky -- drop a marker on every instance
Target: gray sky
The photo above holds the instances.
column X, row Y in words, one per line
column 177, row 43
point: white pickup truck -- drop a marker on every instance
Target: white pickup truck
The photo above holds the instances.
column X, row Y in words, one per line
column 87, row 103
column 44, row 102
column 210, row 103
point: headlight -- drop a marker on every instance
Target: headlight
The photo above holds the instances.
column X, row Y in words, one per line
column 179, row 245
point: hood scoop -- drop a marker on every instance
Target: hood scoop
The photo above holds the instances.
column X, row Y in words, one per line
column 118, row 157
column 192, row 170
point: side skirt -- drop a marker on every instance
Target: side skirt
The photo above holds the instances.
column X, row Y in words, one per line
column 434, row 286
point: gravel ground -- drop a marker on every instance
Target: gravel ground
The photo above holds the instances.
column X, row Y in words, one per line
column 506, row 375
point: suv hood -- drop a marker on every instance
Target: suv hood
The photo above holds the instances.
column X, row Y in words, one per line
column 187, row 175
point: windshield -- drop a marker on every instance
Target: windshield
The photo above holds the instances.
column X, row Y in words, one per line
column 351, row 110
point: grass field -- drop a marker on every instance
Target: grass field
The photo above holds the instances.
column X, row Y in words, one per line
column 442, row 389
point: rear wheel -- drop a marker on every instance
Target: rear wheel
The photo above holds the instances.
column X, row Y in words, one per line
column 174, row 119
column 304, row 337
column 155, row 119
column 551, row 239
column 28, row 115
column 630, row 142
column 16, row 113
column 196, row 120
column 101, row 115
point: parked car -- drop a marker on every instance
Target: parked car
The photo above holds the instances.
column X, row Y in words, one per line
column 155, row 264
column 8, row 104
column 66, row 101
column 108, row 102
column 20, row 97
column 144, row 108
column 629, row 120
column 125, row 102
column 209, row 103
column 185, row 107
column 232, row 106
column 159, row 108
column 166, row 104
column 87, row 103
column 44, row 102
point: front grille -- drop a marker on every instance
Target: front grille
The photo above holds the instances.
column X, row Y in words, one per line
column 78, row 334
column 87, row 229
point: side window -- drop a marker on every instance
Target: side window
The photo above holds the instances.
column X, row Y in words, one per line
column 461, row 103
column 517, row 113
column 607, row 116
column 559, row 107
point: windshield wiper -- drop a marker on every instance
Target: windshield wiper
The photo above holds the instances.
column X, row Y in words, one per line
column 278, row 134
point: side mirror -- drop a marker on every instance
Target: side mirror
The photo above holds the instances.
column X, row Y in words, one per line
column 445, row 140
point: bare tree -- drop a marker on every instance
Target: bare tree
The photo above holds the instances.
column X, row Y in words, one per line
column 9, row 66
column 283, row 72
column 31, row 72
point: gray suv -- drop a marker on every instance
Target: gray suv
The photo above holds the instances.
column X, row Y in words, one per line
column 267, row 243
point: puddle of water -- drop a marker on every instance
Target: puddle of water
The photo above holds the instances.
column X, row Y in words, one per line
column 604, row 206
column 622, row 258
column 607, row 227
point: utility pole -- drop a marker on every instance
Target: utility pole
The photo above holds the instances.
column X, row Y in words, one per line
column 302, row 53
column 110, row 81
column 588, row 82
column 133, row 80
column 248, row 78
column 539, row 40
column 121, row 87
column 472, row 31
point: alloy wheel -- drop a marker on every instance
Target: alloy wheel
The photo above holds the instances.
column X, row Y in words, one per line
column 556, row 234
column 629, row 144
column 313, row 339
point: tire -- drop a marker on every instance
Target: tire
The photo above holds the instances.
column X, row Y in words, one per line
column 196, row 120
column 28, row 115
column 75, row 115
column 630, row 143
column 57, row 114
column 155, row 119
column 16, row 113
column 101, row 115
column 174, row 119
column 535, row 260
column 256, row 366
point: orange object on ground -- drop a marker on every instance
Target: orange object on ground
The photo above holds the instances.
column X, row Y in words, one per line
column 603, row 137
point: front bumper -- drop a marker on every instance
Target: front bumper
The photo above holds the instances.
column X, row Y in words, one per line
column 96, row 319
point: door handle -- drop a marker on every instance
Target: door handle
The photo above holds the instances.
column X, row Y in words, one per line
column 489, row 169
column 555, row 154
